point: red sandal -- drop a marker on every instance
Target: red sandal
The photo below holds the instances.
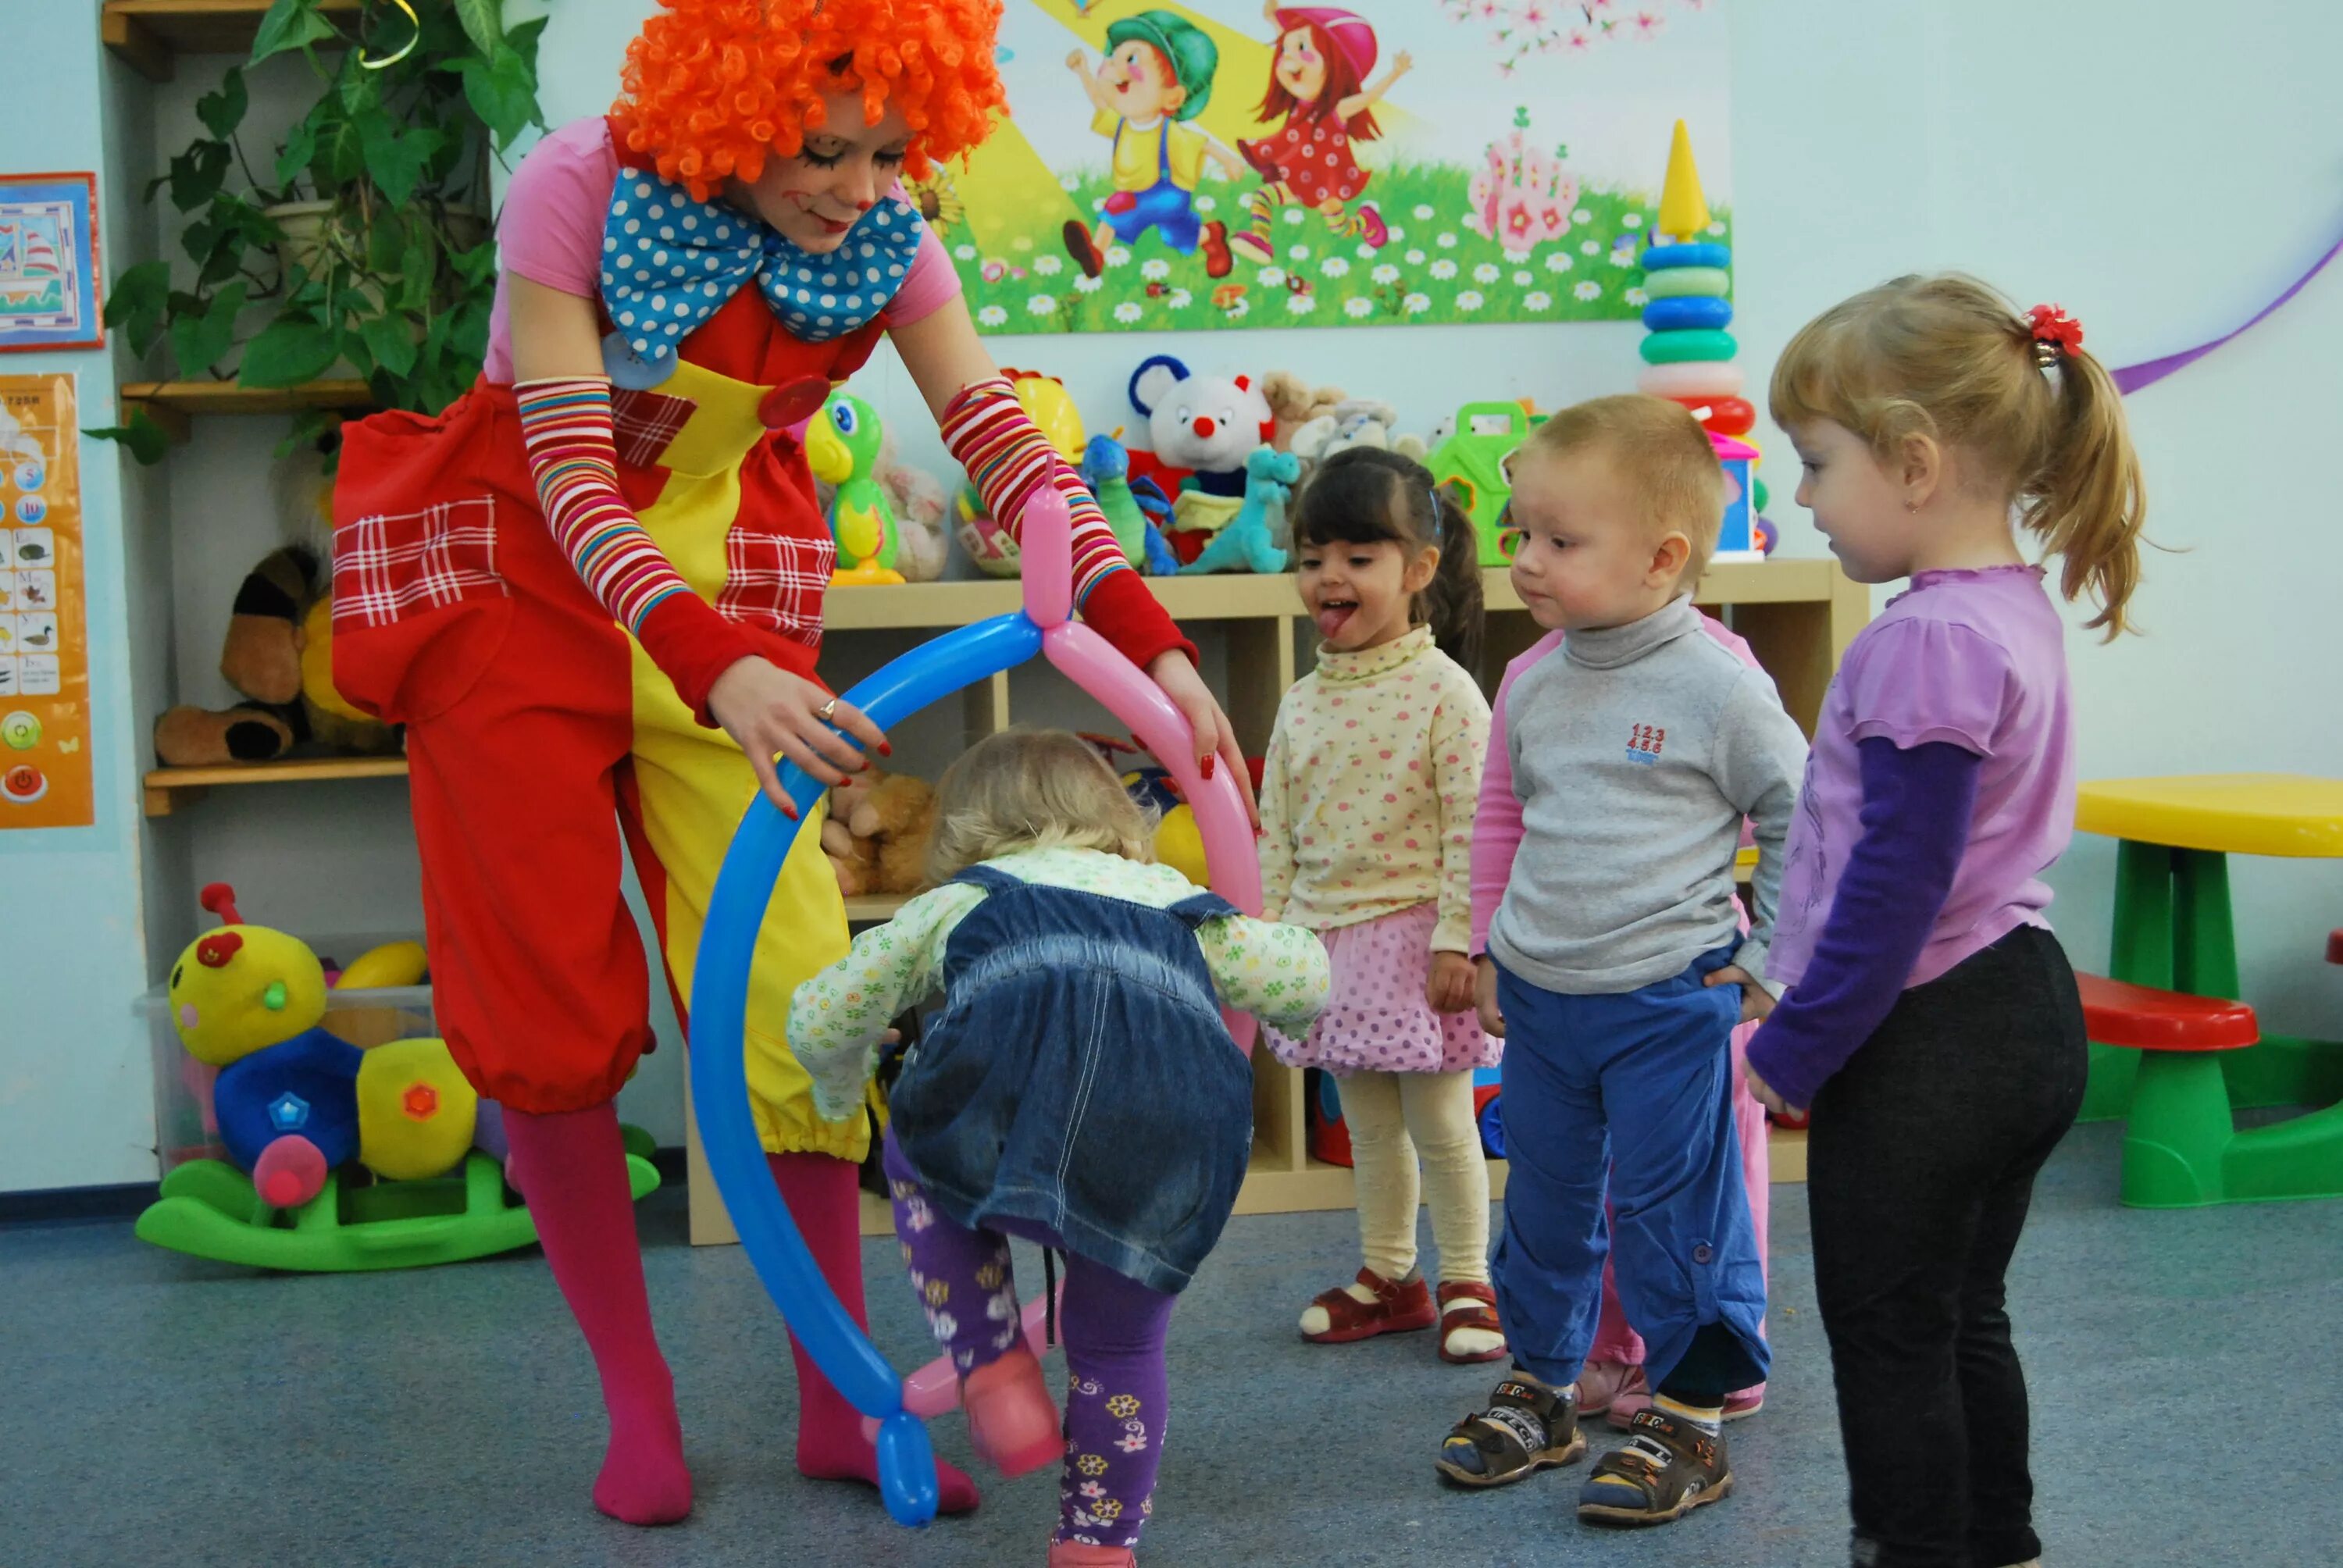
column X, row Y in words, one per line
column 1464, row 1305
column 1399, row 1307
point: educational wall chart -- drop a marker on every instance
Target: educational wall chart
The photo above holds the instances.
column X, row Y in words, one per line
column 1219, row 164
column 44, row 720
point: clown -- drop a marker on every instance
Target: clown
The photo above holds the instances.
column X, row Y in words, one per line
column 592, row 590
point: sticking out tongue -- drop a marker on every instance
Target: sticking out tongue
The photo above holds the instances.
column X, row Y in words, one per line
column 1331, row 617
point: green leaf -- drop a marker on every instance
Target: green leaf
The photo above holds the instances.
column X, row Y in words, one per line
column 142, row 436
column 484, row 23
column 289, row 25
column 502, row 90
column 197, row 174
column 360, row 88
column 391, row 340
column 223, row 111
column 354, row 349
column 301, row 150
column 476, row 266
column 136, row 303
column 289, row 353
column 396, row 161
column 200, row 341
column 415, row 273
column 341, row 152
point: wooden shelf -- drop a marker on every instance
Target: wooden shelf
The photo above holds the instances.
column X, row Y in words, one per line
column 168, row 789
column 872, row 907
column 148, row 34
column 172, row 404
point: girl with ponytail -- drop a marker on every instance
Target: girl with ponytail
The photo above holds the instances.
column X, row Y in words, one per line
column 1932, row 1020
column 1366, row 810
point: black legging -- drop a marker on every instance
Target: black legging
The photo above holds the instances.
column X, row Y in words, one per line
column 1921, row 1166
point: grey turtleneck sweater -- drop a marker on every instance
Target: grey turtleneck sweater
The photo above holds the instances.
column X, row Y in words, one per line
column 1636, row 751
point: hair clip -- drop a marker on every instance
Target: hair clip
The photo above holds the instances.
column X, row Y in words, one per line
column 2056, row 335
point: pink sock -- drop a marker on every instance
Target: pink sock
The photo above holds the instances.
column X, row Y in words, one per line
column 822, row 1198
column 576, row 1168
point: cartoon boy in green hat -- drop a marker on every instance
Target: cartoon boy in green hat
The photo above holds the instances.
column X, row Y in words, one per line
column 1156, row 77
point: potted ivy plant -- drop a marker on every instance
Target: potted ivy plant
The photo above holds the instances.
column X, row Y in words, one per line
column 365, row 243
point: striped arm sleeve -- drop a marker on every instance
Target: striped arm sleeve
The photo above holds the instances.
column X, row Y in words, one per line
column 1007, row 458
column 565, row 428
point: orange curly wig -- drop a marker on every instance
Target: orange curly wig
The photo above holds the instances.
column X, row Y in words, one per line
column 712, row 87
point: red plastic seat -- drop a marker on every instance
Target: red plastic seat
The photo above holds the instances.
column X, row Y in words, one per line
column 2146, row 1018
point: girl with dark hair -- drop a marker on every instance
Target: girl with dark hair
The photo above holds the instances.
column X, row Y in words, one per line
column 1366, row 838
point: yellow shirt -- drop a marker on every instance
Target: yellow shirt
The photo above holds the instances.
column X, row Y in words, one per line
column 1368, row 787
column 1137, row 164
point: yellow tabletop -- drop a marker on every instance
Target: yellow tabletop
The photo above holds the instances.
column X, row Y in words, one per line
column 2237, row 813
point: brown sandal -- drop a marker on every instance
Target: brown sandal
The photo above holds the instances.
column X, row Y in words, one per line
column 1466, row 1305
column 1399, row 1307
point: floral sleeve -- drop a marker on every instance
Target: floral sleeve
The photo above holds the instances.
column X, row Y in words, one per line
column 838, row 1016
column 1275, row 973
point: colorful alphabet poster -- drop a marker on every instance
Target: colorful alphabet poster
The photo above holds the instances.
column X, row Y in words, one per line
column 45, row 729
column 1215, row 164
column 49, row 262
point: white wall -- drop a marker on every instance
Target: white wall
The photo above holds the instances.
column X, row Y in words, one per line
column 74, row 1103
column 2160, row 168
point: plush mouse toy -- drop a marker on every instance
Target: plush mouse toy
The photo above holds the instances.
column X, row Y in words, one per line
column 1207, row 425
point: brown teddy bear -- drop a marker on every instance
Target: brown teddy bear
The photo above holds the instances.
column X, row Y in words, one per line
column 1293, row 403
column 278, row 652
column 877, row 832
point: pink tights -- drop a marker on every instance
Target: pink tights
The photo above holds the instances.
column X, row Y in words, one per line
column 573, row 1167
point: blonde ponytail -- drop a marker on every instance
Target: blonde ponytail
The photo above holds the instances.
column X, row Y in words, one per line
column 2086, row 503
column 2037, row 417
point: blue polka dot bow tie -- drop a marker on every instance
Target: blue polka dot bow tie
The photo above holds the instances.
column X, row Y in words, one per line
column 670, row 262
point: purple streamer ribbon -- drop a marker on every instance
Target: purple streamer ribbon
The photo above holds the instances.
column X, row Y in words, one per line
column 2132, row 378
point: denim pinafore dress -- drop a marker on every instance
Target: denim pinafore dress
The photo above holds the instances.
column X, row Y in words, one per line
column 1079, row 1078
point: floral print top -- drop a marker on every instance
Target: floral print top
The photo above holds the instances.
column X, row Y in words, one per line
column 1368, row 792
column 1276, row 973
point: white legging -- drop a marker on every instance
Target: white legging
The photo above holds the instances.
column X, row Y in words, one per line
column 1394, row 1119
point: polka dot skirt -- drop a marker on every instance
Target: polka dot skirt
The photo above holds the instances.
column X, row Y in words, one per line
column 1312, row 157
column 1377, row 1020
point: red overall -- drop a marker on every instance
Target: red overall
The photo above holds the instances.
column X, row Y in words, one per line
column 537, row 726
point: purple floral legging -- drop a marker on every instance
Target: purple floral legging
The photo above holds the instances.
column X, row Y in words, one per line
column 1113, row 1328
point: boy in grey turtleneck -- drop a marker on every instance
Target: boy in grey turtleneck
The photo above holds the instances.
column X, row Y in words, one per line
column 1615, row 965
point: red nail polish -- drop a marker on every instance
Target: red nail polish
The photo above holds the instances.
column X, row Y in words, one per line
column 1208, row 765
column 885, row 749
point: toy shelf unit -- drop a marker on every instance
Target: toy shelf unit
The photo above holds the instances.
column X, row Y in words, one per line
column 1798, row 614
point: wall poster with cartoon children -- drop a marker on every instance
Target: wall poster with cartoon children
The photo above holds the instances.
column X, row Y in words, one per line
column 1200, row 164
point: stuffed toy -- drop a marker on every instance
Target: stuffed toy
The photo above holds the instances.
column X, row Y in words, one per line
column 1207, row 425
column 278, row 656
column 1247, row 544
column 1293, row 403
column 919, row 503
column 875, row 835
column 1354, row 422
column 1134, row 508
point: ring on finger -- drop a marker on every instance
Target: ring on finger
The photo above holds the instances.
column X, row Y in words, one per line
column 825, row 712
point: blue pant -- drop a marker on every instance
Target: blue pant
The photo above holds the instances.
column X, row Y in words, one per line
column 1163, row 206
column 1631, row 1093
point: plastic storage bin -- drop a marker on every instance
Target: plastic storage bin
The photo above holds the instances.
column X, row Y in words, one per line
column 185, row 1129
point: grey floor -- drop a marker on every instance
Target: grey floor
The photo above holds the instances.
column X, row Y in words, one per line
column 155, row 1409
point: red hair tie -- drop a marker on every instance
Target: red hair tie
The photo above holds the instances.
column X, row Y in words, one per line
column 2056, row 335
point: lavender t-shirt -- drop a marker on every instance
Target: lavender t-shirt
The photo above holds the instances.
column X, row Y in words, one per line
column 1977, row 659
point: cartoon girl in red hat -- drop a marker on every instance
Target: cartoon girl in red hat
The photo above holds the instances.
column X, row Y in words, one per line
column 1319, row 83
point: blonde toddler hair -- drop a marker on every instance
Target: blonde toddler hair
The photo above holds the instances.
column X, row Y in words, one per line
column 2042, row 424
column 1026, row 789
column 1662, row 454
